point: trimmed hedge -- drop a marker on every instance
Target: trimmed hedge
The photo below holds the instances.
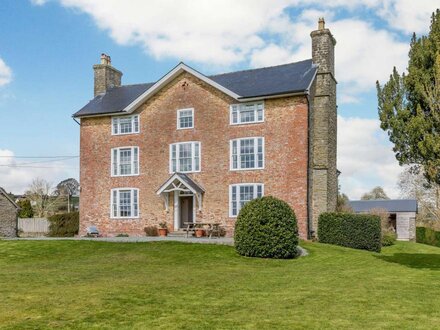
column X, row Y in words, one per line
column 426, row 235
column 357, row 231
column 266, row 227
column 64, row 225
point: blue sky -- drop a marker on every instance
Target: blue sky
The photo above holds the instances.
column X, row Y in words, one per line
column 47, row 49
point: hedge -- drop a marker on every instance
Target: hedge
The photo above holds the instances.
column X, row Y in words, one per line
column 64, row 225
column 266, row 228
column 428, row 236
column 357, row 231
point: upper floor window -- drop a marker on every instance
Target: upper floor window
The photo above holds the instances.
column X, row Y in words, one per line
column 185, row 157
column 240, row 194
column 125, row 203
column 247, row 153
column 185, row 118
column 247, row 113
column 125, row 161
column 125, row 125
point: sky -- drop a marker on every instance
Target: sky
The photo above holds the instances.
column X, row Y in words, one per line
column 48, row 48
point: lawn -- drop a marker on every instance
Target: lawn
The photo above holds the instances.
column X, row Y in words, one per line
column 82, row 284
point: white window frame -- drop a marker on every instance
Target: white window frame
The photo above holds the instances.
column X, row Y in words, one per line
column 117, row 161
column 193, row 162
column 178, row 118
column 133, row 118
column 231, row 161
column 132, row 204
column 238, row 185
column 241, row 107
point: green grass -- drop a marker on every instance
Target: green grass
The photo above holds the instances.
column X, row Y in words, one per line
column 82, row 284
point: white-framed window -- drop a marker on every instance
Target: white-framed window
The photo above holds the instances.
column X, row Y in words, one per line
column 125, row 161
column 247, row 153
column 125, row 125
column 185, row 118
column 124, row 203
column 185, row 157
column 247, row 113
column 240, row 194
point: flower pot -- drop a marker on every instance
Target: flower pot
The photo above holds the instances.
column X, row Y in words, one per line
column 163, row 232
column 200, row 232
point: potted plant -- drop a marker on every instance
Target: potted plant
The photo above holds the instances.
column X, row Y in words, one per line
column 200, row 232
column 163, row 229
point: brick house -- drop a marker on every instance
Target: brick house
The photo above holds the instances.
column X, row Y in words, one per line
column 8, row 215
column 191, row 147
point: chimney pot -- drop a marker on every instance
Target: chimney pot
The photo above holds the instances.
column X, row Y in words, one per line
column 106, row 76
column 321, row 23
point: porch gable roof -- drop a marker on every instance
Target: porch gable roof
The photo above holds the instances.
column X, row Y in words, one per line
column 185, row 180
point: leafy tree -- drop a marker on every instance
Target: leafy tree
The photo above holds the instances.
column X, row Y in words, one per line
column 375, row 193
column 26, row 210
column 67, row 188
column 409, row 105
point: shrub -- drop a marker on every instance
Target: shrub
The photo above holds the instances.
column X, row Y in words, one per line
column 151, row 231
column 428, row 236
column 266, row 228
column 358, row 231
column 389, row 239
column 64, row 225
column 26, row 210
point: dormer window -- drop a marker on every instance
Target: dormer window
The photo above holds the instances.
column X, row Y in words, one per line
column 247, row 113
column 185, row 118
column 125, row 125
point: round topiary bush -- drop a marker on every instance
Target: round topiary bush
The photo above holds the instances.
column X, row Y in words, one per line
column 266, row 228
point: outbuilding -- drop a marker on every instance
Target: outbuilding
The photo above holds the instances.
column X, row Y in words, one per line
column 8, row 215
column 402, row 214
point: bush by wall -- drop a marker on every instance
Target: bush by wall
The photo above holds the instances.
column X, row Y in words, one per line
column 266, row 228
column 428, row 236
column 358, row 231
column 64, row 225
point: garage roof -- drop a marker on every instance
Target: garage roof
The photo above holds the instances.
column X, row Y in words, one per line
column 391, row 205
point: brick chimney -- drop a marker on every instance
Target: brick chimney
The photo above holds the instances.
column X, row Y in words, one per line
column 324, row 183
column 106, row 76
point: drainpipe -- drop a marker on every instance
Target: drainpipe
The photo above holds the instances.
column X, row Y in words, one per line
column 309, row 165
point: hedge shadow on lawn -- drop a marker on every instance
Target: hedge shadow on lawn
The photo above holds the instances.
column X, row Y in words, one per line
column 414, row 260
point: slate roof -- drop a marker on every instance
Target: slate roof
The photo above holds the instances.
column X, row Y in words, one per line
column 276, row 80
column 190, row 183
column 391, row 205
column 4, row 193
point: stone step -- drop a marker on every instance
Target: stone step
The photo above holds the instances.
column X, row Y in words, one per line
column 179, row 233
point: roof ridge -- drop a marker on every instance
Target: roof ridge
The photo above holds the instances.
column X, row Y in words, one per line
column 255, row 69
column 138, row 84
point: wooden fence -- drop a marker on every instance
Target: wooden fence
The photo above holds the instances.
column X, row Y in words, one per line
column 33, row 226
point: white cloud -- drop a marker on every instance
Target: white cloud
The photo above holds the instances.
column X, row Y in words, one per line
column 17, row 174
column 365, row 158
column 5, row 73
column 39, row 2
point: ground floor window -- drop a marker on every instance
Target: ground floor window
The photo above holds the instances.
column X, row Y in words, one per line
column 125, row 203
column 240, row 194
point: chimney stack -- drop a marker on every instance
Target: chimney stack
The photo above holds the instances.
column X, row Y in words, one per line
column 324, row 182
column 106, row 76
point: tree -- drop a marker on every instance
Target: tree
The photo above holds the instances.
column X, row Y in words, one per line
column 67, row 188
column 409, row 105
column 375, row 193
column 26, row 210
column 343, row 202
column 41, row 195
column 415, row 185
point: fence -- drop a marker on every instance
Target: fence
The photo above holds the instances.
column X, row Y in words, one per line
column 33, row 226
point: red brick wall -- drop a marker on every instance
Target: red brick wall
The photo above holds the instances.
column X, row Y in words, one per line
column 284, row 176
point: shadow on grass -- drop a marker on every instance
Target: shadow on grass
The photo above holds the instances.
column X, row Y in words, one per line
column 414, row 260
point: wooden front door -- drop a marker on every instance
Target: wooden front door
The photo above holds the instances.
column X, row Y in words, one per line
column 186, row 210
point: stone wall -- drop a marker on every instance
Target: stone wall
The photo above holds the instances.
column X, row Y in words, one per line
column 286, row 155
column 8, row 218
column 323, row 181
